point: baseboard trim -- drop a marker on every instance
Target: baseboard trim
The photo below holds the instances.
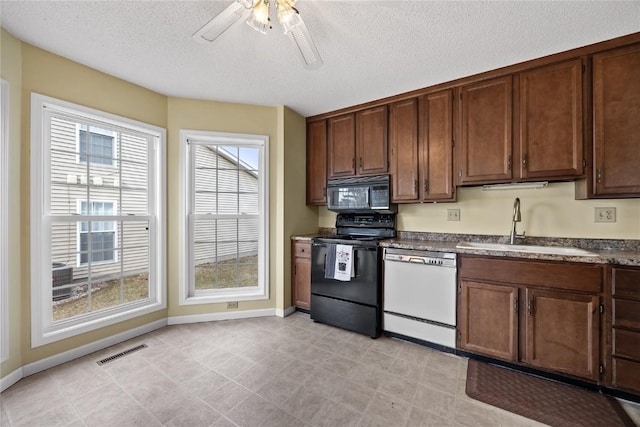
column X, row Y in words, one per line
column 58, row 359
column 286, row 312
column 9, row 380
column 226, row 315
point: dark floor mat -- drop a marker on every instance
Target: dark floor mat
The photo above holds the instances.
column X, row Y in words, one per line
column 543, row 400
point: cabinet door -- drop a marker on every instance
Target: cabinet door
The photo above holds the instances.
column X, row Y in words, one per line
column 551, row 139
column 563, row 332
column 403, row 131
column 317, row 163
column 616, row 122
column 342, row 146
column 371, row 137
column 436, row 145
column 486, row 131
column 488, row 319
column 301, row 275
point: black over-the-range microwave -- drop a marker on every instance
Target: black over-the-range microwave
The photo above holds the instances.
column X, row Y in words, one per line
column 360, row 194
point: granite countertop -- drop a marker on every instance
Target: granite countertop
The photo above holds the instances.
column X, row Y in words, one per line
column 609, row 251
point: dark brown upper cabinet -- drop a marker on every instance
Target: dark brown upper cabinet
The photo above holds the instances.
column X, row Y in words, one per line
column 371, row 140
column 435, row 142
column 524, row 127
column 357, row 143
column 616, row 123
column 421, row 144
column 317, row 163
column 551, row 136
column 486, row 131
column 341, row 146
column 403, row 141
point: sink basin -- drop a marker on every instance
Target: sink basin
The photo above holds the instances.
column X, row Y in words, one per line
column 555, row 250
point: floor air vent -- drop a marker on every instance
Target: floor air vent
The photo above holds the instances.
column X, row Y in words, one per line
column 121, row 354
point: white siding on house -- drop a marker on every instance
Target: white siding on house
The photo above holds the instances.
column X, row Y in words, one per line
column 123, row 183
column 224, row 187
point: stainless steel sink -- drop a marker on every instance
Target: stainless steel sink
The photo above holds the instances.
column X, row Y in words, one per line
column 554, row 250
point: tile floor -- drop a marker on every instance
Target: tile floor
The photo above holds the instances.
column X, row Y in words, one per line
column 255, row 372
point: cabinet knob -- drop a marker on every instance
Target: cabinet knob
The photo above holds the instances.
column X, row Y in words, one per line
column 599, row 176
column 509, row 162
column 524, row 161
column 360, row 162
column 426, row 185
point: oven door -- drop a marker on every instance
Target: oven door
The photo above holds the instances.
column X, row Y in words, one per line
column 362, row 289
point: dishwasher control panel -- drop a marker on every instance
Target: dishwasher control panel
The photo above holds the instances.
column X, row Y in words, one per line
column 439, row 259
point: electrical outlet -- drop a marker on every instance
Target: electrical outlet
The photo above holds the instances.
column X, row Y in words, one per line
column 453, row 214
column 605, row 214
column 232, row 304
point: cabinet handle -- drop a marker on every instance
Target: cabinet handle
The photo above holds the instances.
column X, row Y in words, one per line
column 515, row 306
column 360, row 162
column 599, row 177
column 529, row 307
column 415, row 186
column 353, row 163
column 426, row 185
column 524, row 161
column 509, row 162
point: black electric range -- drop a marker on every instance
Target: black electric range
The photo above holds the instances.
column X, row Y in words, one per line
column 356, row 303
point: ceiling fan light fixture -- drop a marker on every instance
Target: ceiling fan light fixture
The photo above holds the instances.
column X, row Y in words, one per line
column 259, row 19
column 289, row 18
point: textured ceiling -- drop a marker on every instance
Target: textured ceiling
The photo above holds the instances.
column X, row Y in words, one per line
column 370, row 49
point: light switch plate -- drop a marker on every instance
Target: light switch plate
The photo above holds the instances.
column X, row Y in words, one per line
column 605, row 214
column 453, row 214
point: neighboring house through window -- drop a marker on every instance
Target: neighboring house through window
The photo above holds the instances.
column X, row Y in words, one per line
column 225, row 217
column 97, row 219
column 97, row 244
column 96, row 145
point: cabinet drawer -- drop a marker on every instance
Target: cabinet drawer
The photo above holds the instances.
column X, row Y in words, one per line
column 626, row 343
column 626, row 283
column 626, row 313
column 576, row 277
column 302, row 250
column 626, row 374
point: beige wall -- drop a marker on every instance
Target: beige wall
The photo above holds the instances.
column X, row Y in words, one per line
column 11, row 71
column 219, row 117
column 52, row 75
column 298, row 217
column 29, row 69
column 548, row 212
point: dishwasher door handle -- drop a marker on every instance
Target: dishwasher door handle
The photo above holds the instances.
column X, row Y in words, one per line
column 418, row 260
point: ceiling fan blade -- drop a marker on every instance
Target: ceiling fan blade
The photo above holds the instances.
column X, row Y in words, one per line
column 218, row 25
column 301, row 39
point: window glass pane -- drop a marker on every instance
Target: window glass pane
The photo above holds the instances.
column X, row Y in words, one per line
column 226, row 186
column 132, row 181
column 135, row 260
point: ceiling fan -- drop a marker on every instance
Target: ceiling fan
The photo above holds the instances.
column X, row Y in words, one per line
column 259, row 19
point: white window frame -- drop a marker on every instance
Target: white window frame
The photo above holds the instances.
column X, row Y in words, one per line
column 4, row 220
column 187, row 293
column 43, row 329
column 79, row 231
column 105, row 132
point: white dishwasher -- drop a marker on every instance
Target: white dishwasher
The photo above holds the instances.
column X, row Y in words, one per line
column 420, row 295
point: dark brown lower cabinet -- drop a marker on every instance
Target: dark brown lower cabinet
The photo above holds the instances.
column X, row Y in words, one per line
column 301, row 274
column 563, row 332
column 488, row 320
column 625, row 331
column 514, row 310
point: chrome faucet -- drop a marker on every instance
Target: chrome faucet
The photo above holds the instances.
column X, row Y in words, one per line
column 517, row 217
